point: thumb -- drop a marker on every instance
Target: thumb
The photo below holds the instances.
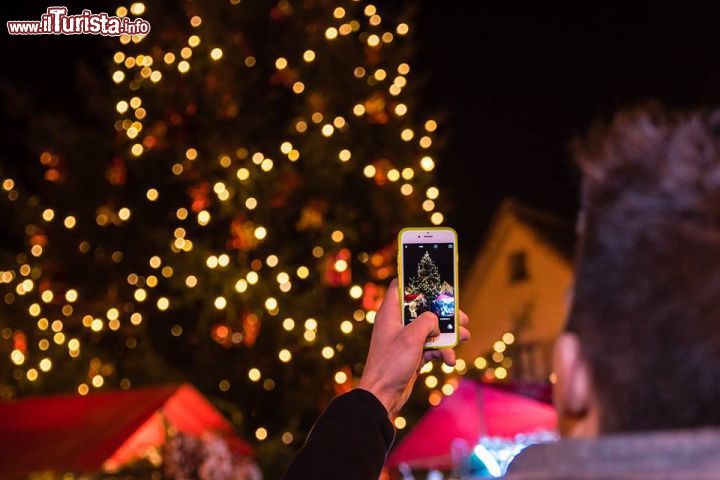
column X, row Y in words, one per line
column 424, row 326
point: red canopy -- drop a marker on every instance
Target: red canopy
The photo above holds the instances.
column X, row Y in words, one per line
column 473, row 411
column 102, row 430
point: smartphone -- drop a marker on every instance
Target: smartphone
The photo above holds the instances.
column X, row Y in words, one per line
column 428, row 278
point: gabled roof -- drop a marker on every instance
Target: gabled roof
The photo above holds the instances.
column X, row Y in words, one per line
column 555, row 231
column 73, row 433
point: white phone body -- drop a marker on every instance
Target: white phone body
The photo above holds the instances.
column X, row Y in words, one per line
column 428, row 279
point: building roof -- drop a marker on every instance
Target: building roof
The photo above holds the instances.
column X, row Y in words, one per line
column 74, row 433
column 556, row 231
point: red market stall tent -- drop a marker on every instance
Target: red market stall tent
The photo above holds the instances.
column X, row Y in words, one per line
column 101, row 431
column 473, row 412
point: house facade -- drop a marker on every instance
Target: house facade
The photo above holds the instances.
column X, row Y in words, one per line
column 517, row 292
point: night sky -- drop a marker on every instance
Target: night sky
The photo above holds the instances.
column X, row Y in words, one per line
column 512, row 88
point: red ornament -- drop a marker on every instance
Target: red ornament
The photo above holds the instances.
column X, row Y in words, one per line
column 372, row 296
column 20, row 341
column 117, row 173
column 200, row 196
column 251, row 328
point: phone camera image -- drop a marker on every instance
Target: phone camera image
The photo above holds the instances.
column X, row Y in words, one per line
column 428, row 278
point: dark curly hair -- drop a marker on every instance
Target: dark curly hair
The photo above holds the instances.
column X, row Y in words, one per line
column 646, row 304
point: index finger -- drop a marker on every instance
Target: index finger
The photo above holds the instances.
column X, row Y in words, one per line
column 389, row 315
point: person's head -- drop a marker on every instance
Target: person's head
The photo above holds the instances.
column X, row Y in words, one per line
column 641, row 349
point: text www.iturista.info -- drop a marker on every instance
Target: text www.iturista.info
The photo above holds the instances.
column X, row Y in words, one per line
column 56, row 21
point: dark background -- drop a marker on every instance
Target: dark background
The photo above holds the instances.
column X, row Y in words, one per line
column 512, row 87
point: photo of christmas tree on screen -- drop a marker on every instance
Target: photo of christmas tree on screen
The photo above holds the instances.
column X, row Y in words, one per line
column 429, row 289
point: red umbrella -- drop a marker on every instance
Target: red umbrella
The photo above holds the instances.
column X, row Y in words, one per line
column 473, row 411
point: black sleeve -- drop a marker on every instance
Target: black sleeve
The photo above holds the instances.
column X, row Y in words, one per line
column 349, row 441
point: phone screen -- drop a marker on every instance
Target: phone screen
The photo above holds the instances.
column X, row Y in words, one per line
column 428, row 277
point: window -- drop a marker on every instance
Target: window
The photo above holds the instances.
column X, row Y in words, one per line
column 517, row 267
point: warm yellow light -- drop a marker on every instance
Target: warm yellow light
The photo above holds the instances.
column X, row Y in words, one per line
column 311, row 324
column 45, row 364
column 340, row 377
column 163, row 303
column 17, row 357
column 427, row 164
column 241, row 285
column 499, row 346
column 137, row 8
column 152, row 194
column 220, row 303
column 309, row 56
column 243, row 174
column 118, row 76
column 194, row 41
column 369, row 171
column 303, row 272
column 508, row 338
column 271, row 303
column 402, row 29
column 327, row 352
column 216, row 53
column 400, row 109
column 71, row 295
column 122, row 106
column 431, row 381
column 183, row 67
column 331, row 33
column 260, row 233
column 252, row 278
column 288, row 324
column 261, row 433
column 344, row 155
column 501, row 373
column 447, row 389
column 346, row 327
column 356, row 291
column 406, row 189
column 254, row 374
column 327, row 130
column 437, row 218
column 69, row 222
column 97, row 381
column 341, row 265
column 407, row 134
column 393, row 175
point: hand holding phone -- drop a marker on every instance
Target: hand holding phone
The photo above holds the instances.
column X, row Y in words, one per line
column 397, row 352
column 427, row 262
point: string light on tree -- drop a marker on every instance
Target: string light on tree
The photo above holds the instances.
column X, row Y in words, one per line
column 193, row 224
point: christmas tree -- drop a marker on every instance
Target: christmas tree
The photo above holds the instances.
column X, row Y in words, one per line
column 427, row 280
column 228, row 218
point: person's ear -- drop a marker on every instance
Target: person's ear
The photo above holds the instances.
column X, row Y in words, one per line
column 572, row 392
